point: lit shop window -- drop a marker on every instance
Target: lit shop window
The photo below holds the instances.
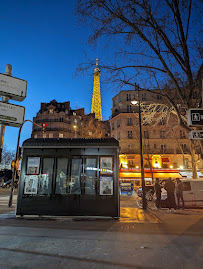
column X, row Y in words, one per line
column 51, row 135
column 44, row 135
column 35, row 136
column 60, row 135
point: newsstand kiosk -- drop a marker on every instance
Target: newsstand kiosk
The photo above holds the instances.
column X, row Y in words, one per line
column 69, row 177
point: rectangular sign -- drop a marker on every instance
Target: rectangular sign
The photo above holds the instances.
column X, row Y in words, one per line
column 12, row 115
column 195, row 117
column 12, row 87
column 197, row 135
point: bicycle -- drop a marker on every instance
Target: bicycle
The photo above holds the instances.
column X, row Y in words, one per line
column 150, row 200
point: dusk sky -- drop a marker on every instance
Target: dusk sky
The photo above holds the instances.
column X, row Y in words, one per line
column 44, row 43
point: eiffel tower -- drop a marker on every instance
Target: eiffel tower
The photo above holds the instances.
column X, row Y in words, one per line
column 96, row 96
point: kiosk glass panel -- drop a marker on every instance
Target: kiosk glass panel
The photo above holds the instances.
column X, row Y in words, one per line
column 61, row 176
column 91, row 175
column 76, row 169
column 46, row 176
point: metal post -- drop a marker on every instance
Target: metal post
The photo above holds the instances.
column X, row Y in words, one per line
column 16, row 158
column 144, row 202
column 5, row 99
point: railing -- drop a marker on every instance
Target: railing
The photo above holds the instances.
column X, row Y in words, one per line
column 53, row 120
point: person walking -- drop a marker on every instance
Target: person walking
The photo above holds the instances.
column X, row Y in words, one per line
column 157, row 189
column 179, row 193
column 170, row 188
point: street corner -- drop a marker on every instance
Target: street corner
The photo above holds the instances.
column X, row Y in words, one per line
column 136, row 215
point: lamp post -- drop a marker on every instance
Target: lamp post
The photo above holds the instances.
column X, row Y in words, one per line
column 135, row 102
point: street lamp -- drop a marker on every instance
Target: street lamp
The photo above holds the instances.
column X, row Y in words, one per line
column 137, row 102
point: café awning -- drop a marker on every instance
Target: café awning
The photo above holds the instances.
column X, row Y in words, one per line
column 165, row 175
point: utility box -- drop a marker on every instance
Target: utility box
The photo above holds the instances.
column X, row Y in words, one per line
column 69, row 177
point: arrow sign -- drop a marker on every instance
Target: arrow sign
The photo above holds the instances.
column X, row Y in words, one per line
column 197, row 135
column 195, row 117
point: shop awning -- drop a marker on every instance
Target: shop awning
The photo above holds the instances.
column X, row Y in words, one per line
column 128, row 175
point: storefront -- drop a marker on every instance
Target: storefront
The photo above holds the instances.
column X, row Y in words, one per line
column 134, row 175
column 69, row 177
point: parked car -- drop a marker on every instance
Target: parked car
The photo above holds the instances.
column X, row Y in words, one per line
column 6, row 184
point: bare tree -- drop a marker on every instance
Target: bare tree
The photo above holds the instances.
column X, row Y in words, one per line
column 155, row 42
column 7, row 156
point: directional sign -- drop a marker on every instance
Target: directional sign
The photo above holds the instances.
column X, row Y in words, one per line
column 195, row 117
column 197, row 135
column 12, row 87
column 12, row 115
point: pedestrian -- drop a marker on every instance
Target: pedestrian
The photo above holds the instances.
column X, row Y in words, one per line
column 170, row 188
column 179, row 193
column 157, row 189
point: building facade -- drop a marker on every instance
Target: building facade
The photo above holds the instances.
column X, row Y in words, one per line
column 165, row 143
column 58, row 120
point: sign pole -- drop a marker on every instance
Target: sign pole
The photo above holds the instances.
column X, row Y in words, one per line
column 5, row 99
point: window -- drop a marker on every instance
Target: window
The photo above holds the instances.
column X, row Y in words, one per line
column 35, row 136
column 182, row 134
column 162, row 134
column 118, row 123
column 61, row 176
column 194, row 95
column 51, row 111
column 118, row 136
column 112, row 125
column 163, row 148
column 90, row 175
column 154, row 146
column 61, row 119
column 51, row 135
column 147, row 147
column 46, row 176
column 76, row 169
column 129, row 108
column 130, row 134
column 75, row 121
column 129, row 146
column 74, row 113
column 186, row 186
column 44, row 135
column 144, row 98
column 60, row 135
column 146, row 134
column 128, row 97
column 159, row 97
column 162, row 122
column 129, row 121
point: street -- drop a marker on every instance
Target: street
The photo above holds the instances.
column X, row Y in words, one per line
column 139, row 239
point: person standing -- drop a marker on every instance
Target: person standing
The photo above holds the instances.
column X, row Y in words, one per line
column 179, row 193
column 170, row 188
column 157, row 189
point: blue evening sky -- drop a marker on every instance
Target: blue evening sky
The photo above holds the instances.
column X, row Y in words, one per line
column 44, row 43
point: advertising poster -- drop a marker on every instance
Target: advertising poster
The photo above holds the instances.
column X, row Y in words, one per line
column 31, row 184
column 106, row 165
column 106, row 185
column 33, row 165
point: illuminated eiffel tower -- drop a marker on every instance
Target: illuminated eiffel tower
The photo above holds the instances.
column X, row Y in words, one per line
column 96, row 96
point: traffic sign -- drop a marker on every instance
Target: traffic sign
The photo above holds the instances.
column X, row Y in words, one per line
column 12, row 87
column 197, row 135
column 195, row 117
column 12, row 115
